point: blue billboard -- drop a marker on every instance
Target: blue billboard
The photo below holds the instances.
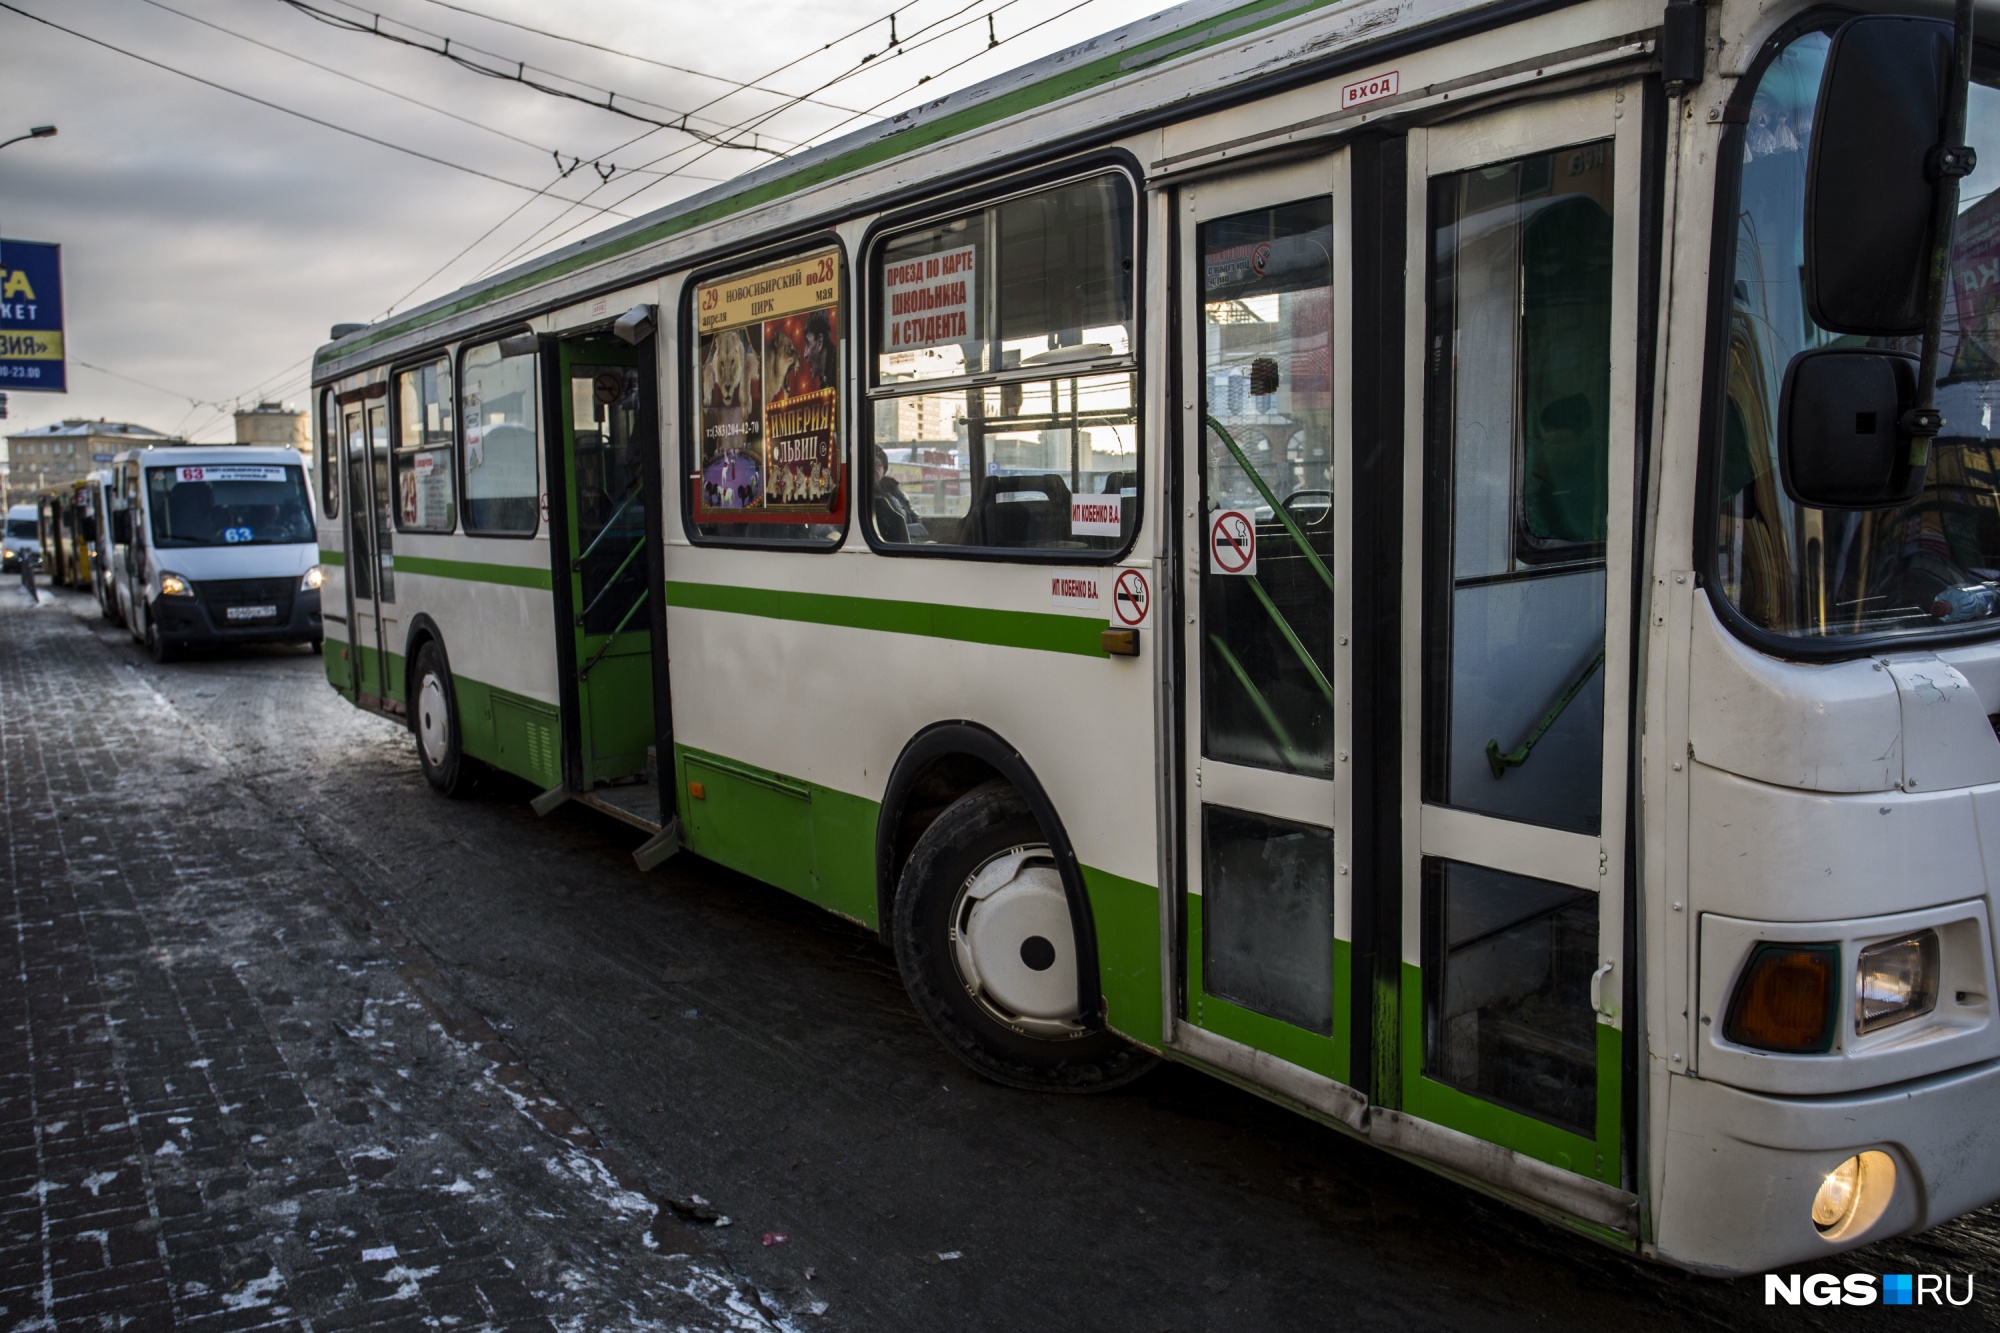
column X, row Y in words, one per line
column 31, row 321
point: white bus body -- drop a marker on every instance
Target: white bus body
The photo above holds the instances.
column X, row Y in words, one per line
column 1332, row 530
column 213, row 545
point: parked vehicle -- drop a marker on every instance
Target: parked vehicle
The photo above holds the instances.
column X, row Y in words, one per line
column 22, row 537
column 214, row 545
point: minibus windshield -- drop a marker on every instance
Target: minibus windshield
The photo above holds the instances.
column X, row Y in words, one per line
column 1823, row 574
column 233, row 504
column 21, row 528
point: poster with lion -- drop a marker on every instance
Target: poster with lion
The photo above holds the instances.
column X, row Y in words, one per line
column 768, row 398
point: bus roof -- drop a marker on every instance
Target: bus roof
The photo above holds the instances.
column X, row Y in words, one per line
column 1181, row 30
column 216, row 454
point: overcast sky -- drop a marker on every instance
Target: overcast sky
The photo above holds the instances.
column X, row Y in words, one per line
column 209, row 242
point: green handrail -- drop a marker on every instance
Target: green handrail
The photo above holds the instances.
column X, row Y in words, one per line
column 1285, row 628
column 1500, row 763
column 612, row 638
column 1270, row 714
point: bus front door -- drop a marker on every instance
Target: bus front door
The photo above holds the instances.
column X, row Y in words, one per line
column 370, row 555
column 605, row 433
column 1265, row 956
column 1522, row 345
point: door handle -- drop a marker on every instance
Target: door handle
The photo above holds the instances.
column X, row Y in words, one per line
column 1597, row 989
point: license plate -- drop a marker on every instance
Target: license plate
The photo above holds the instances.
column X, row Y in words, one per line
column 251, row 612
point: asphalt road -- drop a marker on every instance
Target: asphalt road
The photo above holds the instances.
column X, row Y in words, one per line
column 704, row 1037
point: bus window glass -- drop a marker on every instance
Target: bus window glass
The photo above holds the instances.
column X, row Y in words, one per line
column 1034, row 290
column 1267, row 453
column 1823, row 574
column 1518, row 403
column 239, row 504
column 497, row 404
column 329, row 457
column 423, row 448
column 768, row 461
column 359, row 574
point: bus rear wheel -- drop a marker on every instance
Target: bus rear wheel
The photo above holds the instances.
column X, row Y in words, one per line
column 988, row 954
column 434, row 720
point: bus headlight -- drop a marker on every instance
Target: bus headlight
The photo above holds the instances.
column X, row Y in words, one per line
column 173, row 585
column 1854, row 1194
column 314, row 577
column 1784, row 1000
column 1896, row 981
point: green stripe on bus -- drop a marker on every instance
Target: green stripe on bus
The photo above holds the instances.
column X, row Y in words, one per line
column 1038, row 630
column 1233, row 26
column 327, row 557
column 511, row 576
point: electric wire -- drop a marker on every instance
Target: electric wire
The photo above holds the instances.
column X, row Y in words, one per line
column 276, row 106
column 738, row 84
column 519, row 74
column 352, row 78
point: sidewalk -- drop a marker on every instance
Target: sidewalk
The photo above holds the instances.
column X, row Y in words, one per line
column 223, row 1102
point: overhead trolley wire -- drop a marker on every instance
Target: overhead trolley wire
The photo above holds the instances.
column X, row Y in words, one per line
column 738, row 84
column 352, row 78
column 519, row 74
column 276, row 106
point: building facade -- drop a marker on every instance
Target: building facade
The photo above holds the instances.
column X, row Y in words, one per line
column 68, row 451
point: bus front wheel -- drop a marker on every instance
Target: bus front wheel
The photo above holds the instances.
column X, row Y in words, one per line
column 434, row 719
column 987, row 951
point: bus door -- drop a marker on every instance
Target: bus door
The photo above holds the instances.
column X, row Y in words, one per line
column 1265, row 955
column 1521, row 337
column 605, row 557
column 371, row 571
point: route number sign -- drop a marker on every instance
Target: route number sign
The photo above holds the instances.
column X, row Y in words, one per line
column 1232, row 543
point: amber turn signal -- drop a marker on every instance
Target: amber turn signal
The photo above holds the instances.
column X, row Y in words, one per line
column 1784, row 1000
column 697, row 791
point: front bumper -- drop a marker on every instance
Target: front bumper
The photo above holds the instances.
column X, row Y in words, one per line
column 1741, row 1167
column 199, row 620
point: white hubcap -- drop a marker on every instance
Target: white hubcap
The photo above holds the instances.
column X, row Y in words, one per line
column 1012, row 942
column 433, row 722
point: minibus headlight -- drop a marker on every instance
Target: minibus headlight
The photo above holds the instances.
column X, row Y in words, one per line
column 314, row 577
column 173, row 585
column 1784, row 1000
column 1896, row 981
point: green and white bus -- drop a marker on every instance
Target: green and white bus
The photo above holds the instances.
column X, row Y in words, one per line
column 1435, row 559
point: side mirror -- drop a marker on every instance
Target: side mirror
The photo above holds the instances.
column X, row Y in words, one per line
column 121, row 527
column 1838, row 442
column 1870, row 182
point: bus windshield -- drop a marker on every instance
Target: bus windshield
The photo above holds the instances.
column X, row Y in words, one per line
column 1822, row 574
column 21, row 528
column 234, row 504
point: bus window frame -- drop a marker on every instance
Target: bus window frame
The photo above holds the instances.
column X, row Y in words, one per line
column 987, row 194
column 687, row 388
column 467, row 345
column 1714, row 406
column 398, row 450
column 328, row 445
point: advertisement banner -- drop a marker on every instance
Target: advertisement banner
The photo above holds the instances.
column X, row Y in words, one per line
column 31, row 323
column 768, row 394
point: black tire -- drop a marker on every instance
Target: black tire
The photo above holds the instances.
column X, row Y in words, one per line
column 158, row 646
column 434, row 724
column 978, row 830
column 318, row 646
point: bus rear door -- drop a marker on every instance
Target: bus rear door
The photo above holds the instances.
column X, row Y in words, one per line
column 371, row 570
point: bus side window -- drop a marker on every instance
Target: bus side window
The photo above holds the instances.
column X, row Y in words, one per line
column 422, row 483
column 1038, row 291
column 329, row 457
column 766, row 460
column 498, row 414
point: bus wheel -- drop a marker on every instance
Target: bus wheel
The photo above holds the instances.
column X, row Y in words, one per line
column 434, row 719
column 985, row 946
column 159, row 646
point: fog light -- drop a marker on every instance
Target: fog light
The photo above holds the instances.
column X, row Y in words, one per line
column 1896, row 981
column 1854, row 1194
column 1784, row 1000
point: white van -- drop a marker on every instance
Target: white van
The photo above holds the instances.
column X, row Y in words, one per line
column 214, row 544
column 21, row 539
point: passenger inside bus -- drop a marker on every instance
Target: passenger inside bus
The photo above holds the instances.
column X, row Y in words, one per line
column 895, row 518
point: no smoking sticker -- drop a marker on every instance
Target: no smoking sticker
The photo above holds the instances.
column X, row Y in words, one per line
column 1232, row 543
column 1131, row 599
